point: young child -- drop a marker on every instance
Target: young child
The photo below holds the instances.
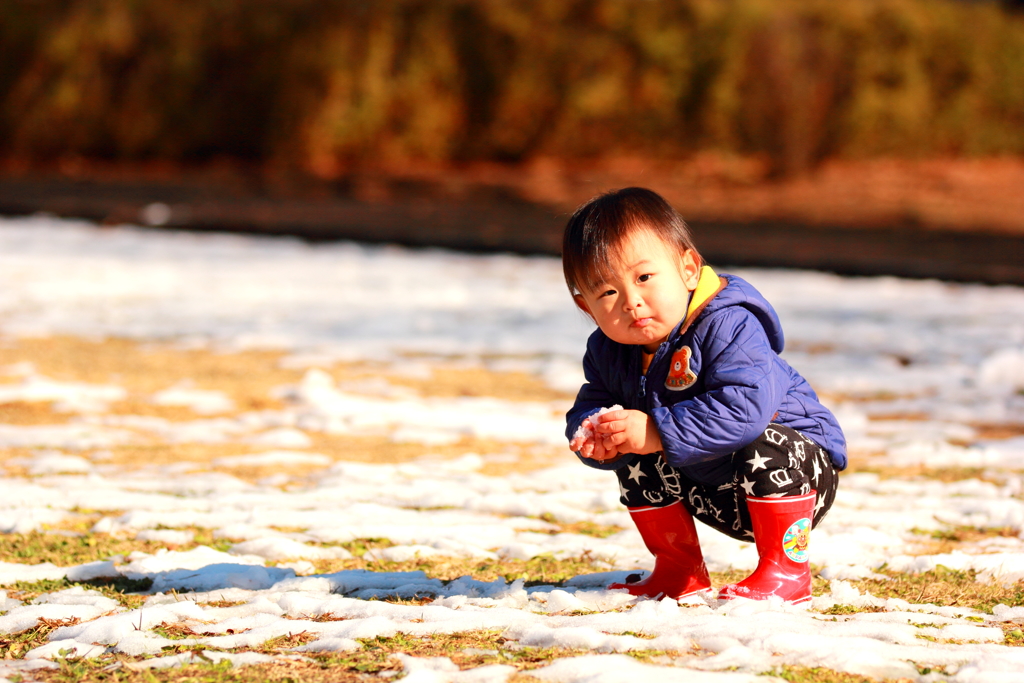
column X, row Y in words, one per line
column 689, row 402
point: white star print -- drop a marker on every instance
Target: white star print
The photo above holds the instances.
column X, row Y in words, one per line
column 758, row 461
column 818, row 505
column 817, row 471
column 748, row 486
column 622, row 491
column 748, row 533
column 635, row 473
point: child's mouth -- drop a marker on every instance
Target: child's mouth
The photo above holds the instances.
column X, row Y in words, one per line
column 641, row 322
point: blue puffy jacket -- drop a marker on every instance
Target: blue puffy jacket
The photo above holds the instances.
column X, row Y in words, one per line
column 735, row 385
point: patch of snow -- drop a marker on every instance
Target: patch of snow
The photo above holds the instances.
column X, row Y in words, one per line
column 275, row 549
column 58, row 463
column 585, row 431
column 69, row 397
column 166, row 536
column 11, row 572
column 282, row 437
column 277, row 457
column 202, row 401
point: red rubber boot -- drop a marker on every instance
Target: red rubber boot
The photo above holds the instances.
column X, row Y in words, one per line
column 671, row 536
column 782, row 528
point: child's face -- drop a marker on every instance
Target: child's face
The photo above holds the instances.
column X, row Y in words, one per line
column 646, row 294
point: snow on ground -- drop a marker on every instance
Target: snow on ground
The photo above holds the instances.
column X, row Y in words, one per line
column 919, row 373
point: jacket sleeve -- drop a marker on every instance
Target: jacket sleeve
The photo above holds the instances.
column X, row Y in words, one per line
column 742, row 393
column 593, row 396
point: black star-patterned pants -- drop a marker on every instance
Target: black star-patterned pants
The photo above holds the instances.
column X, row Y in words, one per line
column 781, row 462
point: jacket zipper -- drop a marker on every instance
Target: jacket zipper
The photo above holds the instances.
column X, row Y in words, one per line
column 658, row 356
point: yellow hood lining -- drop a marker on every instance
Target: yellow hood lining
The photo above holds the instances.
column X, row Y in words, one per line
column 707, row 287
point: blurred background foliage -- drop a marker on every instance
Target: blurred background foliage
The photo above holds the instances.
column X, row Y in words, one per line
column 330, row 85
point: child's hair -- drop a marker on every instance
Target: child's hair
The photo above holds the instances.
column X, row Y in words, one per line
column 597, row 228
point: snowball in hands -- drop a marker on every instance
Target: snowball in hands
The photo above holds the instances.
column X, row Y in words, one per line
column 586, row 431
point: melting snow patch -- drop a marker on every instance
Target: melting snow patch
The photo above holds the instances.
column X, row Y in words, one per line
column 1004, row 369
column 202, row 569
column 72, row 436
column 58, row 463
column 286, row 549
column 166, row 536
column 11, row 572
column 214, row 576
column 279, row 457
column 67, row 396
column 282, row 437
column 204, row 402
column 28, row 616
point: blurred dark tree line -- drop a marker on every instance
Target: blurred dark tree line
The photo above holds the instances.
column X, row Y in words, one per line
column 325, row 85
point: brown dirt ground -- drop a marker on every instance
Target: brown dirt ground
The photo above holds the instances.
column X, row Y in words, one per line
column 947, row 193
column 941, row 193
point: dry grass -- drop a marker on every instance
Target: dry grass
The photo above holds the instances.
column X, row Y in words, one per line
column 249, row 378
column 61, row 550
column 448, row 382
column 381, row 449
column 467, row 650
column 26, row 413
column 863, row 462
column 950, row 539
column 943, row 474
column 87, row 672
column 246, row 376
column 541, row 570
column 9, row 458
column 368, row 449
column 945, row 587
column 584, row 528
column 13, row 646
column 369, row 666
column 998, row 431
column 64, row 550
column 143, row 369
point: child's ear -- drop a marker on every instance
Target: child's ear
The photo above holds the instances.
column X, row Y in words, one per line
column 582, row 305
column 689, row 269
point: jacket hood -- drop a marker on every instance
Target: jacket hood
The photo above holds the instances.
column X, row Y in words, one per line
column 714, row 292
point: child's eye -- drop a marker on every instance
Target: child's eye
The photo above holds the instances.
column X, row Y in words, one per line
column 645, row 277
column 610, row 292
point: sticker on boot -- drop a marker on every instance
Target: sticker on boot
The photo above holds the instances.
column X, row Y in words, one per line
column 796, row 539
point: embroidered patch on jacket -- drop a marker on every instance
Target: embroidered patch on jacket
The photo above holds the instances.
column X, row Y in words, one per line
column 796, row 540
column 680, row 376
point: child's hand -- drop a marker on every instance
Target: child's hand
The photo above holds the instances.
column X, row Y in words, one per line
column 589, row 445
column 627, row 431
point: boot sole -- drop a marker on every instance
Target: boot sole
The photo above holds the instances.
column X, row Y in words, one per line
column 662, row 594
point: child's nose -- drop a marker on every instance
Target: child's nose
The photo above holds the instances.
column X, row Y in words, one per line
column 634, row 302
